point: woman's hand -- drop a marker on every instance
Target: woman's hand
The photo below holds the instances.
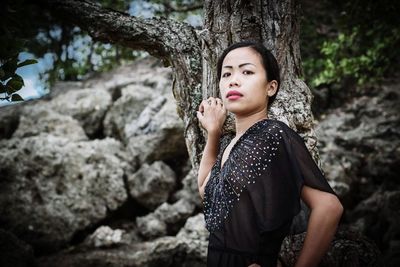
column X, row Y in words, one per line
column 212, row 115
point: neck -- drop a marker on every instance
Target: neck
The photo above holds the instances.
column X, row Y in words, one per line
column 245, row 122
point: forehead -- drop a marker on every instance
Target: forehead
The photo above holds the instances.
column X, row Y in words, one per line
column 242, row 55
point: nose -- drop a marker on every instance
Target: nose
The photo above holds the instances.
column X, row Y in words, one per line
column 234, row 81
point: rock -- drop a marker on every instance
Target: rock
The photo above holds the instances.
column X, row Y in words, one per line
column 155, row 224
column 150, row 226
column 142, row 124
column 104, row 236
column 347, row 249
column 190, row 191
column 152, row 184
column 63, row 88
column 378, row 217
column 160, row 128
column 147, row 71
column 14, row 252
column 127, row 109
column 38, row 119
column 194, row 228
column 58, row 186
column 176, row 212
column 187, row 249
column 195, row 234
column 88, row 106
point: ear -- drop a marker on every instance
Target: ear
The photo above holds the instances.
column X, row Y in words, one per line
column 272, row 87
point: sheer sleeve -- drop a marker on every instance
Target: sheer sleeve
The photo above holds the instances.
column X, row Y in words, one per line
column 305, row 170
column 276, row 197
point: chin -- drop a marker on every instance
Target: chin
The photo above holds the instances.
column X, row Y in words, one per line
column 237, row 110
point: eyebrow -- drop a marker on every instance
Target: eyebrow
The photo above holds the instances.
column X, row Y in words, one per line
column 241, row 65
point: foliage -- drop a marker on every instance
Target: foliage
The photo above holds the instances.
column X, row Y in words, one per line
column 10, row 81
column 12, row 43
column 353, row 42
column 345, row 56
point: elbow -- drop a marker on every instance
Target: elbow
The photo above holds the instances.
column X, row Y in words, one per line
column 333, row 207
column 330, row 207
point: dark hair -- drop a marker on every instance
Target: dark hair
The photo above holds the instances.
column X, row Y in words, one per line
column 268, row 60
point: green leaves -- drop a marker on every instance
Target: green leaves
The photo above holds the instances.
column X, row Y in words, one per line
column 16, row 97
column 347, row 55
column 10, row 82
column 14, row 84
column 344, row 43
column 9, row 68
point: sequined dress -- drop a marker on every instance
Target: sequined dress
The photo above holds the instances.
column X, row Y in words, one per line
column 250, row 202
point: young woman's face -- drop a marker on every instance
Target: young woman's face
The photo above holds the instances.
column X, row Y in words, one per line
column 243, row 84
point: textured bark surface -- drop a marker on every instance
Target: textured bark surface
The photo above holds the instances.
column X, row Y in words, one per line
column 193, row 55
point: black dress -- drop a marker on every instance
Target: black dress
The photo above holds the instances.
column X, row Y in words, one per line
column 250, row 203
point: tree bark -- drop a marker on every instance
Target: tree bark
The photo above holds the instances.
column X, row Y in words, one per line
column 193, row 55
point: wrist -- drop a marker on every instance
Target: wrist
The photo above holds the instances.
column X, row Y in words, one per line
column 215, row 133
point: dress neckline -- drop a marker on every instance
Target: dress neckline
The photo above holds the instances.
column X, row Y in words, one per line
column 222, row 165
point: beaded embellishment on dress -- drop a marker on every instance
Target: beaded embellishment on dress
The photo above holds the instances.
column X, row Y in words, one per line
column 248, row 161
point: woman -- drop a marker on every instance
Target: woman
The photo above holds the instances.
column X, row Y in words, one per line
column 252, row 185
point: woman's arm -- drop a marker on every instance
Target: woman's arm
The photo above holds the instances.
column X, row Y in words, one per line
column 211, row 115
column 326, row 211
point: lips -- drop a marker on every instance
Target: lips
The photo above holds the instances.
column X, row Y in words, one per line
column 233, row 94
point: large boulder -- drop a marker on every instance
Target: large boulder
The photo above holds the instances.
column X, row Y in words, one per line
column 152, row 184
column 160, row 128
column 39, row 119
column 155, row 224
column 126, row 109
column 146, row 72
column 87, row 105
column 51, row 187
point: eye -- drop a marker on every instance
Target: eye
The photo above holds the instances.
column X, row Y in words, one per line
column 248, row 72
column 226, row 74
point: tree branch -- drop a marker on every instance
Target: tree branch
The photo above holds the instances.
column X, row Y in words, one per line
column 158, row 36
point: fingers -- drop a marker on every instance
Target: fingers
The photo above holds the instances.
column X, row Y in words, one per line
column 210, row 102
